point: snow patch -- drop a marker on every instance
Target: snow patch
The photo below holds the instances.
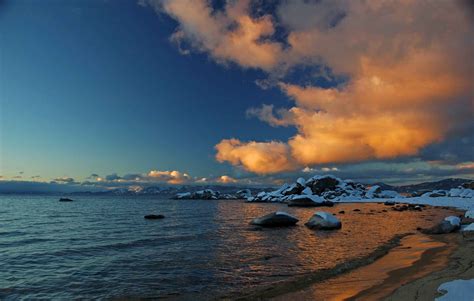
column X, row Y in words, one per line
column 457, row 290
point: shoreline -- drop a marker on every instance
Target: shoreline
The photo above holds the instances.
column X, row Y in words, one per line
column 460, row 266
column 384, row 278
column 306, row 281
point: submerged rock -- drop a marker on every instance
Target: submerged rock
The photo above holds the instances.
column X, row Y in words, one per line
column 275, row 219
column 323, row 221
column 154, row 216
column 65, row 200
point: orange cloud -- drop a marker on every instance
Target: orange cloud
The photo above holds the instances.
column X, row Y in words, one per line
column 226, row 179
column 409, row 62
column 230, row 35
column 259, row 157
column 171, row 177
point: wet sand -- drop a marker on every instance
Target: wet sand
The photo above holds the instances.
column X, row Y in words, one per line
column 460, row 266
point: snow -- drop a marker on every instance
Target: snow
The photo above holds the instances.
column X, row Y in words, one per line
column 457, row 290
column 327, row 216
column 470, row 227
column 372, row 190
column 469, row 214
column 314, row 198
column 301, row 181
column 284, row 213
column 453, row 220
column 461, row 192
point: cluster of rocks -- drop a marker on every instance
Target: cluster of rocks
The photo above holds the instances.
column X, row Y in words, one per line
column 209, row 194
column 466, row 190
column 319, row 221
column 322, row 188
column 464, row 224
column 405, row 207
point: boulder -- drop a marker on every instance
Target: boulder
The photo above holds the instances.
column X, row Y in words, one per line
column 307, row 191
column 243, row 194
column 65, row 200
column 469, row 214
column 373, row 190
column 275, row 219
column 448, row 225
column 295, row 188
column 468, row 232
column 301, row 181
column 323, row 221
column 154, row 216
column 319, row 185
column 308, row 201
column 454, row 220
column 468, row 185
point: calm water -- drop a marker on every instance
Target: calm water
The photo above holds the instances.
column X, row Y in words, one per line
column 102, row 247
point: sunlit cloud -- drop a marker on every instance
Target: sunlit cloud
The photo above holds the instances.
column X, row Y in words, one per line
column 408, row 63
column 171, row 177
column 259, row 157
column 226, row 179
column 231, row 35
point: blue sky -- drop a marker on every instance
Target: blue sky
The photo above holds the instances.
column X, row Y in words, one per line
column 94, row 86
column 98, row 87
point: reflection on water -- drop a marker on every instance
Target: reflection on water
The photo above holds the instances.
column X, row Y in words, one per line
column 351, row 284
column 103, row 248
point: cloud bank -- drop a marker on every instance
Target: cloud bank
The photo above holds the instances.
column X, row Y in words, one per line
column 408, row 63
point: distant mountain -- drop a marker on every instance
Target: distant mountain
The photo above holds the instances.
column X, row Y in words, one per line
column 168, row 190
column 384, row 186
column 445, row 184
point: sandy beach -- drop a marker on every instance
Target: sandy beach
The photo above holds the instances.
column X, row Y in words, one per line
column 459, row 266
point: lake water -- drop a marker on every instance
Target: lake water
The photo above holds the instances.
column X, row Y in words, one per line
column 102, row 247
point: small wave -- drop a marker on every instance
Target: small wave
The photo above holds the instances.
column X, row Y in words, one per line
column 23, row 242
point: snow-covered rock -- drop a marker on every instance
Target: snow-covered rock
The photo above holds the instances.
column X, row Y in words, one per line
column 372, row 191
column 454, row 220
column 324, row 221
column 301, row 181
column 243, row 194
column 206, row 194
column 307, row 191
column 468, row 228
column 327, row 187
column 308, row 201
column 448, row 225
column 469, row 214
column 275, row 219
column 461, row 192
column 457, row 290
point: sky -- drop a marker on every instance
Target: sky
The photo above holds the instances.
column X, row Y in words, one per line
column 97, row 93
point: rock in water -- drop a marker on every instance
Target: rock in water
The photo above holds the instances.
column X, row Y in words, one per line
column 323, row 221
column 65, row 200
column 275, row 219
column 154, row 216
